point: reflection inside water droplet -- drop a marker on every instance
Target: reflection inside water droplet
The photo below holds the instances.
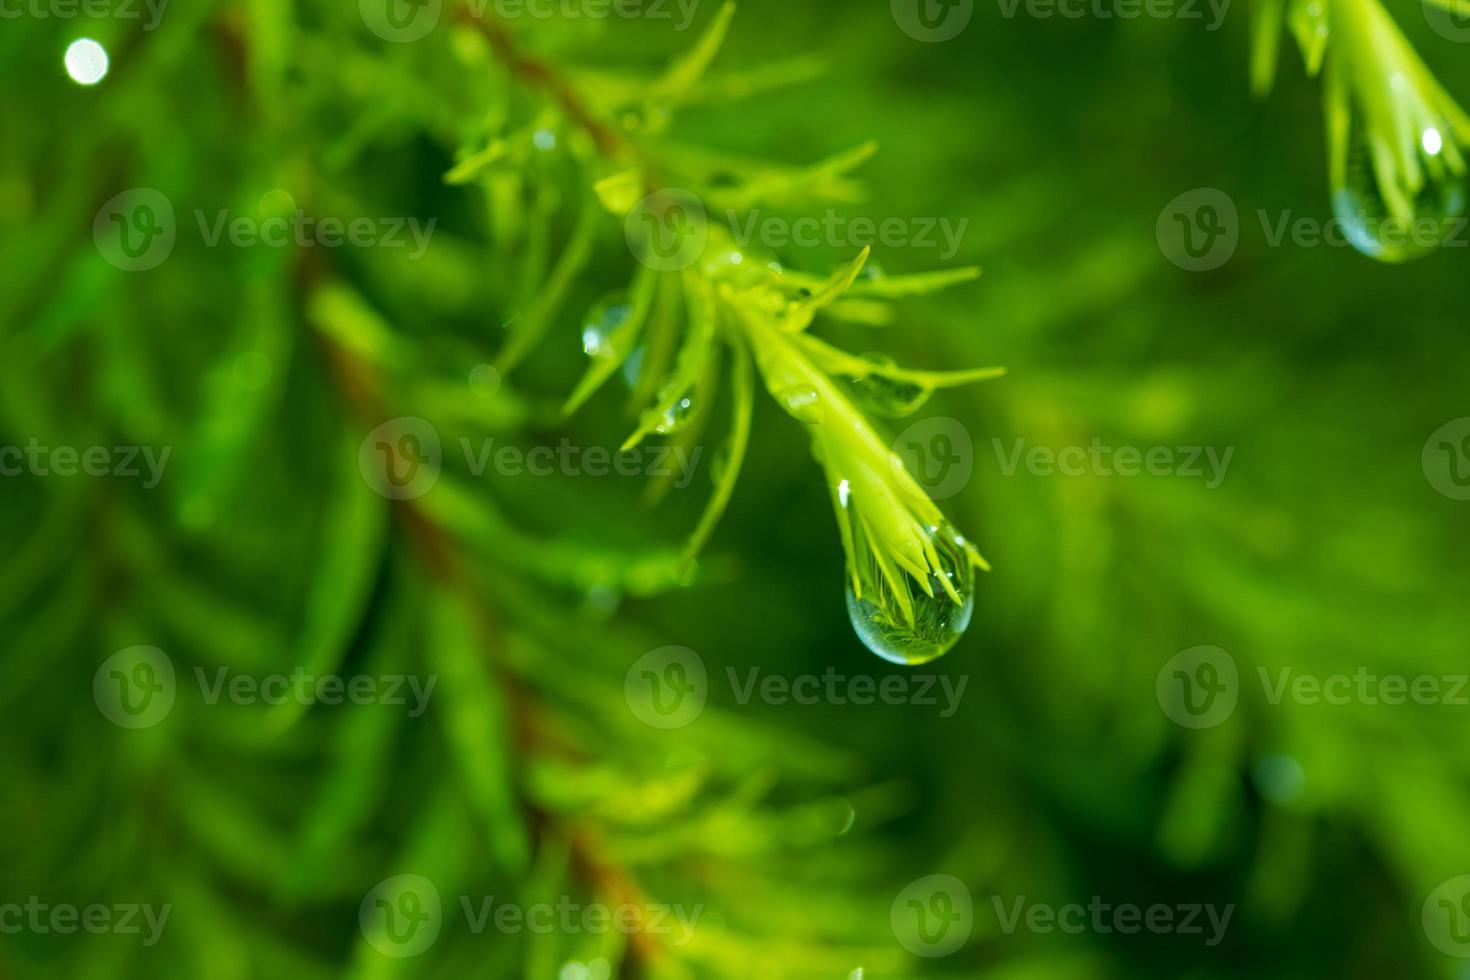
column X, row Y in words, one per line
column 1420, row 223
column 916, row 627
column 885, row 396
column 676, row 417
column 602, row 322
column 804, row 404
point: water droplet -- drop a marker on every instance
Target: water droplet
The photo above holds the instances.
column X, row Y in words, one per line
column 804, row 404
column 544, row 139
column 604, row 320
column 632, row 370
column 932, row 623
column 1279, row 778
column 1370, row 223
column 276, row 203
column 648, row 118
column 252, row 370
column 872, row 270
column 888, row 397
column 86, row 61
column 601, row 601
column 676, row 417
column 1431, row 141
column 484, row 380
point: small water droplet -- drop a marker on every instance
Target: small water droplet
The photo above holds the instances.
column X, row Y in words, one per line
column 601, row 601
column 804, row 404
column 86, row 61
column 676, row 417
column 632, row 370
column 1370, row 223
column 602, row 322
column 872, row 270
column 936, row 621
column 544, row 139
column 888, row 397
column 252, row 370
column 1279, row 778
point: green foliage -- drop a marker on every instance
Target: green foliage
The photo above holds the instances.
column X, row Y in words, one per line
column 530, row 777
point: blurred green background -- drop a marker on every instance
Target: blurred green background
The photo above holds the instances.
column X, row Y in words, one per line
column 1326, row 549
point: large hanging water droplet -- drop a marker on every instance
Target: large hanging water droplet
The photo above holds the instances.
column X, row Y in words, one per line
column 602, row 323
column 804, row 404
column 886, row 396
column 1368, row 220
column 933, row 623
